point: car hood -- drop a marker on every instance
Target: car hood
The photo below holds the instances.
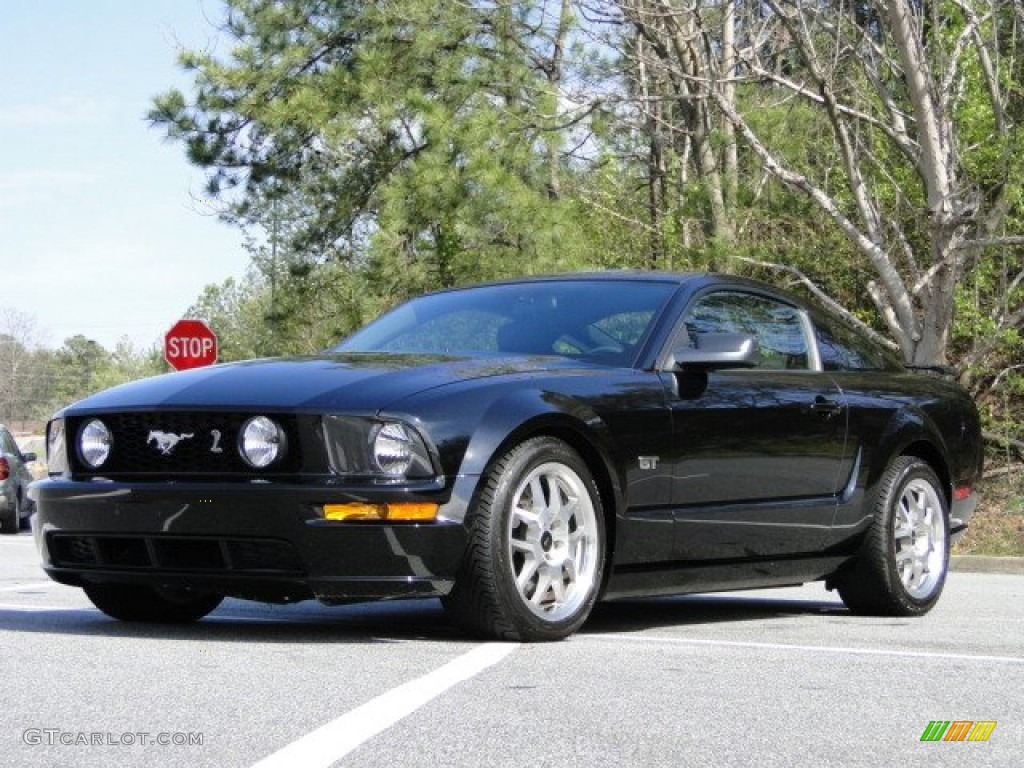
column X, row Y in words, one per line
column 355, row 382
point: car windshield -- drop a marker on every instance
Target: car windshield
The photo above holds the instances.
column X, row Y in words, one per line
column 599, row 321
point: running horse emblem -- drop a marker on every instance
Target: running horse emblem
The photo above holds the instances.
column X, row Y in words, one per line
column 166, row 441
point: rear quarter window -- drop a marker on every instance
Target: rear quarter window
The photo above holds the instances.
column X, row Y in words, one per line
column 844, row 349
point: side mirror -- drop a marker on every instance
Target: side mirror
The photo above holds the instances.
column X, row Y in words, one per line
column 714, row 351
column 28, row 458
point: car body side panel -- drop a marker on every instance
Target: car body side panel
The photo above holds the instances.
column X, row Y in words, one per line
column 757, row 465
column 719, row 575
column 906, row 412
column 618, row 416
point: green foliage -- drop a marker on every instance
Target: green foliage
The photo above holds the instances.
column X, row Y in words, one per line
column 393, row 143
column 38, row 381
column 81, row 366
column 238, row 313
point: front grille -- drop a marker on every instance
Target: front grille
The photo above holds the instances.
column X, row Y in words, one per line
column 204, row 443
column 174, row 554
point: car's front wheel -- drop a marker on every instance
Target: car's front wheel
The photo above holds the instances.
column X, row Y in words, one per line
column 160, row 605
column 902, row 566
column 536, row 548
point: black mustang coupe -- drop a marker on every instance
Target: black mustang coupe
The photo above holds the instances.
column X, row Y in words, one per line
column 521, row 450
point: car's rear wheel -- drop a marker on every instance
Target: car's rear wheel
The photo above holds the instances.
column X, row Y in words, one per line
column 11, row 520
column 161, row 605
column 536, row 549
column 902, row 567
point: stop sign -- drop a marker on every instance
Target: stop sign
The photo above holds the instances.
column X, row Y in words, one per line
column 190, row 344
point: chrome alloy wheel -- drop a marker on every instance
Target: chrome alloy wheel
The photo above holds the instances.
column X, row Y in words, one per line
column 919, row 534
column 553, row 541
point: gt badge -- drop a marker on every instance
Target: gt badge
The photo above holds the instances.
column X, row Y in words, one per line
column 166, row 441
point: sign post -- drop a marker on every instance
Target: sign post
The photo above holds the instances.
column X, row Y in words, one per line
column 190, row 344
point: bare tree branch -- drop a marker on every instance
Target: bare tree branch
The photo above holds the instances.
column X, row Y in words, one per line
column 986, row 242
column 1004, row 442
column 1010, row 469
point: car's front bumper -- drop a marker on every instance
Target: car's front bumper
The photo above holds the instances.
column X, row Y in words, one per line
column 263, row 541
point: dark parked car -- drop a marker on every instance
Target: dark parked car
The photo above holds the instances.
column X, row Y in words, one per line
column 520, row 450
column 15, row 507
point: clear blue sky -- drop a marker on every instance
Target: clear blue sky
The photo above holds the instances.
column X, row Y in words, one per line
column 102, row 228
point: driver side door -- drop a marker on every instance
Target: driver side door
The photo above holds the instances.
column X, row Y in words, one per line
column 757, row 451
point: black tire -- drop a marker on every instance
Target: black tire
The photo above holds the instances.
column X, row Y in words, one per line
column 902, row 566
column 519, row 579
column 130, row 602
column 26, row 521
column 11, row 520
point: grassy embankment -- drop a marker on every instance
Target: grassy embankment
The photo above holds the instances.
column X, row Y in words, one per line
column 997, row 527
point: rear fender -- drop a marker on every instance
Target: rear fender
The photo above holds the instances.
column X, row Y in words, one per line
column 910, row 431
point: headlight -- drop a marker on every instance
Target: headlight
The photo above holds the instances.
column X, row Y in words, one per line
column 261, row 442
column 388, row 450
column 392, row 449
column 94, row 442
column 56, row 449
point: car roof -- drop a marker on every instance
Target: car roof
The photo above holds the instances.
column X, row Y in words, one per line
column 692, row 281
column 688, row 284
column 611, row 275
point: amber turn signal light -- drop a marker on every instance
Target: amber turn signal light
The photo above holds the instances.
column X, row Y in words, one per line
column 394, row 512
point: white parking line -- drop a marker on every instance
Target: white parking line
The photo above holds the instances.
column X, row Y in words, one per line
column 331, row 742
column 34, row 585
column 808, row 648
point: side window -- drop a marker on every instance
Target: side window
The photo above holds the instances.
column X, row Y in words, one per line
column 841, row 349
column 776, row 326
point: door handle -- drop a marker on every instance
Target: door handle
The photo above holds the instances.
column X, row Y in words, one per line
column 826, row 407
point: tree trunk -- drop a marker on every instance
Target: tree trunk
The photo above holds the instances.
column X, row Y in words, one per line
column 731, row 172
column 655, row 158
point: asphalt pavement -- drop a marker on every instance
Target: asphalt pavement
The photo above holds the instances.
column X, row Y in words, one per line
column 781, row 677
